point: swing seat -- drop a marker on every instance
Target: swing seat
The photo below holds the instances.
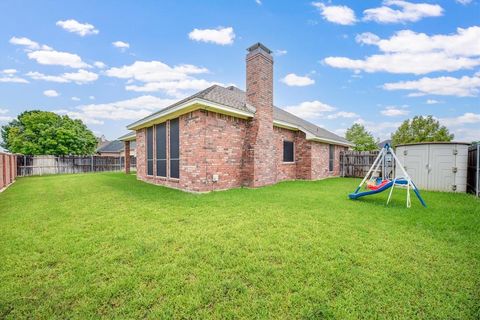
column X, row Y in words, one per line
column 378, row 186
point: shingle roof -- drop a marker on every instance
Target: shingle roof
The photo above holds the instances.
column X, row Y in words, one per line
column 114, row 146
column 236, row 98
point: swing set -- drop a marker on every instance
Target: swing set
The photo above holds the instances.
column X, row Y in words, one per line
column 377, row 180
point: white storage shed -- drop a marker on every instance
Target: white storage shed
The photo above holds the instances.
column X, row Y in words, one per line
column 438, row 166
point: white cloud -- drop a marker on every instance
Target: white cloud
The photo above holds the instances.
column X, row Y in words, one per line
column 417, row 63
column 393, row 111
column 131, row 109
column 158, row 76
column 91, row 97
column 9, row 76
column 310, row 109
column 75, row 98
column 407, row 12
column 99, row 64
column 466, row 133
column 466, row 118
column 337, row 14
column 367, row 38
column 410, row 52
column 25, row 42
column 40, row 76
column 280, row 52
column 462, row 43
column 5, row 118
column 259, row 2
column 432, row 101
column 121, row 45
column 174, row 88
column 9, row 71
column 464, row 2
column 3, row 111
column 444, row 86
column 51, row 93
column 381, row 130
column 150, row 71
column 294, row 80
column 342, row 114
column 222, row 36
column 52, row 57
column 79, row 77
column 82, row 29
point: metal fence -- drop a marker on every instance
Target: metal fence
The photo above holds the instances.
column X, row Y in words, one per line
column 356, row 163
column 473, row 169
column 7, row 169
column 40, row 165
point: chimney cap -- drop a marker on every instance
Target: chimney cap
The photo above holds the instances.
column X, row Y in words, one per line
column 258, row 45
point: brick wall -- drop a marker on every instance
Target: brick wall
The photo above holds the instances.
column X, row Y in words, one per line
column 285, row 171
column 320, row 157
column 214, row 144
column 210, row 144
column 8, row 169
column 260, row 161
column 303, row 157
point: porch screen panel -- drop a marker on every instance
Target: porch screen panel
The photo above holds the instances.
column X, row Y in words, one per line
column 161, row 144
column 174, row 149
column 331, row 157
column 150, row 151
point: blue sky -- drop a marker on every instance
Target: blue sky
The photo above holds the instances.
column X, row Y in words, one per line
column 336, row 62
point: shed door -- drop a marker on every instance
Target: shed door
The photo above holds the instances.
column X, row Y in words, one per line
column 415, row 162
column 441, row 162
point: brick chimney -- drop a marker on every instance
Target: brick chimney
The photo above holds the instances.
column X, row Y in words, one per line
column 260, row 163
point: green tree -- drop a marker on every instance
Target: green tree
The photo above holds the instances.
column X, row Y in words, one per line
column 421, row 129
column 46, row 133
column 362, row 139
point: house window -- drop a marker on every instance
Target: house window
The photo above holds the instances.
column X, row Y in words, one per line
column 150, row 151
column 288, row 151
column 331, row 157
column 161, row 150
column 174, row 149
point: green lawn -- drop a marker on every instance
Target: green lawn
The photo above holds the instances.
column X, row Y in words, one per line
column 107, row 245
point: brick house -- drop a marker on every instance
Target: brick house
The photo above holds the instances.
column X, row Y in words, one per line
column 223, row 137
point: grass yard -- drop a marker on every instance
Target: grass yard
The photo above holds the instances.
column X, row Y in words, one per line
column 107, row 245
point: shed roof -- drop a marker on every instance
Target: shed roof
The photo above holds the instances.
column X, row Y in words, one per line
column 431, row 142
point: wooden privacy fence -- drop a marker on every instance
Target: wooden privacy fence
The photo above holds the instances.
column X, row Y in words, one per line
column 8, row 170
column 39, row 165
column 356, row 163
column 473, row 169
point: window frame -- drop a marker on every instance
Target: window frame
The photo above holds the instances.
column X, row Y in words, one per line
column 149, row 141
column 170, row 149
column 293, row 151
column 157, row 159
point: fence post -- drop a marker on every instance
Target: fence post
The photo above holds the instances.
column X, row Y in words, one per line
column 91, row 163
column 477, row 177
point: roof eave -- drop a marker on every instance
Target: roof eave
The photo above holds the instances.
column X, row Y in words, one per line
column 131, row 136
column 189, row 106
column 329, row 141
column 309, row 135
